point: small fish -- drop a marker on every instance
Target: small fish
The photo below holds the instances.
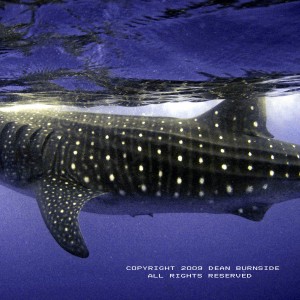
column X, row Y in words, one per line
column 223, row 161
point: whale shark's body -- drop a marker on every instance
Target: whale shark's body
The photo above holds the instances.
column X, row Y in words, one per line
column 222, row 161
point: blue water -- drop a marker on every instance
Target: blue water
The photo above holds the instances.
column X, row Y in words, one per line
column 113, row 52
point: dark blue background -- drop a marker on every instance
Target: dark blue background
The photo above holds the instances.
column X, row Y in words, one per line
column 34, row 267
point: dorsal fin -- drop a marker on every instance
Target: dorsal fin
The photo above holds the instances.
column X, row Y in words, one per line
column 60, row 202
column 244, row 116
column 253, row 213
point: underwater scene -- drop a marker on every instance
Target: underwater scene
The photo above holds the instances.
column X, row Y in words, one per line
column 149, row 149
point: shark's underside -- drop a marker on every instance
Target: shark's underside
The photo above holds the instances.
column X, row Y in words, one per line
column 222, row 161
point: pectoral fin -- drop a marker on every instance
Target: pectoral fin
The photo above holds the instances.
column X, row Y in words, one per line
column 60, row 202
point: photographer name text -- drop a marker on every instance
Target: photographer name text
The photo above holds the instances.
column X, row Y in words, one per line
column 200, row 272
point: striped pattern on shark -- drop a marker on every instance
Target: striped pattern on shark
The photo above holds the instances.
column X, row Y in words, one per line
column 70, row 157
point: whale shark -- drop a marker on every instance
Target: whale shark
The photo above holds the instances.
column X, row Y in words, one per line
column 222, row 161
